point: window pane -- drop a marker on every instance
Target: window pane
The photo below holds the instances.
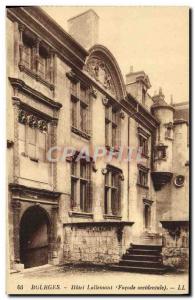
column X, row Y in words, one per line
column 74, row 113
column 107, row 179
column 73, row 192
column 31, row 142
column 114, row 135
column 42, row 145
column 107, row 134
column 42, row 66
column 114, row 202
column 114, row 117
column 74, row 168
column 106, row 195
column 83, row 115
column 107, row 113
column 27, row 56
column 83, row 195
column 83, row 94
column 83, row 170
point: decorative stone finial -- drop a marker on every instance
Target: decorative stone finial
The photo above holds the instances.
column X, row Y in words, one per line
column 131, row 69
column 171, row 102
column 160, row 91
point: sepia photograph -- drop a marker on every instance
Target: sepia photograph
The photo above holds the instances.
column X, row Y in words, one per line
column 98, row 142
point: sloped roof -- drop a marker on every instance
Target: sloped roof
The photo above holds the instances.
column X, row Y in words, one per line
column 160, row 102
column 182, row 114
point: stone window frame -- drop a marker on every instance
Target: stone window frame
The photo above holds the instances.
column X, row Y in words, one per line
column 39, row 50
column 37, row 123
column 113, row 118
column 169, row 131
column 143, row 136
column 160, row 152
column 78, row 127
column 109, row 188
column 147, row 203
column 78, row 181
column 143, row 176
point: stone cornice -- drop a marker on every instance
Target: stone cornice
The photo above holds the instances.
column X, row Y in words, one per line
column 101, row 223
column 139, row 113
column 18, row 188
column 169, row 223
column 180, row 121
column 22, row 86
column 48, row 30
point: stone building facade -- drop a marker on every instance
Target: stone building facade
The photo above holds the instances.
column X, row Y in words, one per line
column 66, row 90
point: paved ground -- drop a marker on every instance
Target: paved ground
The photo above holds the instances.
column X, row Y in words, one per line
column 91, row 280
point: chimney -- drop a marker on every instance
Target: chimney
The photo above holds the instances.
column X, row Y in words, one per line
column 84, row 28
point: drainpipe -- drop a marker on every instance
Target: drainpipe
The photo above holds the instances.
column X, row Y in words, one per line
column 128, row 171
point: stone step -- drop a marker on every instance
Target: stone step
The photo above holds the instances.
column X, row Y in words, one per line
column 143, row 252
column 142, row 257
column 142, row 263
column 133, row 269
column 146, row 247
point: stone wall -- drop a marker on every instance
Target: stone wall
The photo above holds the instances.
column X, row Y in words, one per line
column 175, row 249
column 92, row 244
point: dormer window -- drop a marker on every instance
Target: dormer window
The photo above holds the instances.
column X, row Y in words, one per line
column 36, row 58
column 28, row 51
column 44, row 63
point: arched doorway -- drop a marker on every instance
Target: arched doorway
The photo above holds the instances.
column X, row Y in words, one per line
column 34, row 237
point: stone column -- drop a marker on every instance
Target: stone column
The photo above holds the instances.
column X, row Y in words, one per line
column 54, row 214
column 54, row 143
column 16, row 206
column 21, row 28
column 16, row 160
column 37, row 43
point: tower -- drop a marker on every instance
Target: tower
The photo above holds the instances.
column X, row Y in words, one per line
column 163, row 144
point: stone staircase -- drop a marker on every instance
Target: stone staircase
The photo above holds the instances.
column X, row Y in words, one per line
column 142, row 259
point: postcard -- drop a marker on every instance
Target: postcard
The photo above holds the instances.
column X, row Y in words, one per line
column 98, row 150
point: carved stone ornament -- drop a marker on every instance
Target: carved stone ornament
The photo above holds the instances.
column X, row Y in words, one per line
column 42, row 125
column 10, row 143
column 98, row 70
column 94, row 168
column 179, row 180
column 104, row 171
column 22, row 117
column 122, row 115
column 105, row 101
column 122, row 178
column 93, row 92
column 32, row 121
